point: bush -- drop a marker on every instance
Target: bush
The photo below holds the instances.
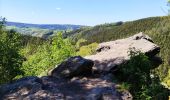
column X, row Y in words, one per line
column 48, row 55
column 10, row 59
column 80, row 43
column 137, row 73
column 137, row 70
column 87, row 50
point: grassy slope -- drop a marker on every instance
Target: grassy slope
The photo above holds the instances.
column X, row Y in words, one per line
column 158, row 28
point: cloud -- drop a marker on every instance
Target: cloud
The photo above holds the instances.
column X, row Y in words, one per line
column 58, row 8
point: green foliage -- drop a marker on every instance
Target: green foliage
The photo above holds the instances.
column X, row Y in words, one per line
column 167, row 80
column 87, row 50
column 137, row 70
column 2, row 22
column 123, row 87
column 137, row 73
column 80, row 43
column 61, row 48
column 10, row 59
column 168, row 4
column 47, row 55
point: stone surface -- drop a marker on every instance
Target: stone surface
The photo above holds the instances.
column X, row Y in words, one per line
column 20, row 88
column 112, row 54
column 52, row 88
column 74, row 66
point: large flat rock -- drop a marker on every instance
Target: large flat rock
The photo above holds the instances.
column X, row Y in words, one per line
column 113, row 53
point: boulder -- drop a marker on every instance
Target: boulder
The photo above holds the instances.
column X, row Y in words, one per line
column 114, row 53
column 74, row 66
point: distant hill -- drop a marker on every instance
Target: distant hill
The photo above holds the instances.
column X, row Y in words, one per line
column 45, row 26
column 41, row 30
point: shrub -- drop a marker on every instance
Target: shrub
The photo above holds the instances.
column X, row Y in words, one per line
column 10, row 59
column 80, row 43
column 123, row 87
column 136, row 73
column 137, row 70
column 48, row 55
column 87, row 50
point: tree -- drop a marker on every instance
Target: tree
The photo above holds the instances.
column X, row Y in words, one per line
column 138, row 77
column 48, row 55
column 10, row 59
column 168, row 4
column 61, row 48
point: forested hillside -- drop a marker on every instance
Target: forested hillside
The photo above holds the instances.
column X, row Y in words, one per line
column 158, row 28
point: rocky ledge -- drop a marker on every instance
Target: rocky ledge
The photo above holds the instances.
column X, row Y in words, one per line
column 114, row 53
column 78, row 78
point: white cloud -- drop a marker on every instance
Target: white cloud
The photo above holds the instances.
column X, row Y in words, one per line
column 58, row 8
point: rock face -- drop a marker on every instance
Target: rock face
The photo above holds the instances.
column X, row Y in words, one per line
column 75, row 78
column 74, row 66
column 112, row 54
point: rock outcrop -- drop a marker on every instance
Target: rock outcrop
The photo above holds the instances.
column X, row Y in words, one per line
column 74, row 66
column 75, row 78
column 112, row 54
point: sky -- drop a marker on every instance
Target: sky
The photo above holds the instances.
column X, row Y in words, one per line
column 81, row 12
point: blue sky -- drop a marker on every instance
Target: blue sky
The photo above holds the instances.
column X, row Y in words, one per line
column 83, row 12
